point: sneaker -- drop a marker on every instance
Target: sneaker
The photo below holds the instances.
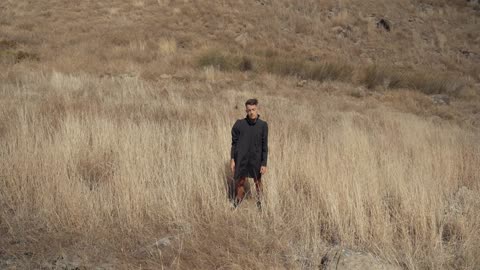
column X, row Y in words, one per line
column 259, row 205
column 236, row 204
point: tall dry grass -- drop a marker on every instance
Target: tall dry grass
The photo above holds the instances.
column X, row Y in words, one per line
column 98, row 163
column 120, row 163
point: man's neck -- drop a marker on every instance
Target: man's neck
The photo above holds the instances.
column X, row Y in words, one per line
column 252, row 121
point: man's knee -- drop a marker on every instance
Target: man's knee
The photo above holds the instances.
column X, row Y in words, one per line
column 241, row 182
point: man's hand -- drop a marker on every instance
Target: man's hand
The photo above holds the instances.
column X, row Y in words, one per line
column 232, row 165
column 263, row 170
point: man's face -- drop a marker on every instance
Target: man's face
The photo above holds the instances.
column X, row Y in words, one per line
column 251, row 111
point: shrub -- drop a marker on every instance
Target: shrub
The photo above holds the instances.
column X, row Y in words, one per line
column 225, row 62
column 427, row 83
column 311, row 71
column 434, row 83
column 375, row 75
column 12, row 57
column 245, row 64
column 7, row 44
column 285, row 67
column 329, row 71
column 213, row 58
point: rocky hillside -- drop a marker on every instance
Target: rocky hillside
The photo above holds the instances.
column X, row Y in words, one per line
column 92, row 36
column 431, row 46
column 115, row 120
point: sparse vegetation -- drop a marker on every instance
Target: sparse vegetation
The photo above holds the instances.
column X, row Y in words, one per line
column 286, row 67
column 225, row 62
column 426, row 83
column 11, row 56
column 319, row 71
column 333, row 71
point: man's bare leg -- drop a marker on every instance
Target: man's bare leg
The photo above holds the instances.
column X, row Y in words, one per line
column 259, row 188
column 239, row 191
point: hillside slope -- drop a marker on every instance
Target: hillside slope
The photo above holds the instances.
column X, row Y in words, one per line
column 423, row 34
column 115, row 121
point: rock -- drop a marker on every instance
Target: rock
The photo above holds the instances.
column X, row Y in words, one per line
column 441, row 99
column 358, row 92
column 181, row 78
column 459, row 205
column 473, row 2
column 342, row 32
column 65, row 263
column 127, row 75
column 165, row 76
column 248, row 26
column 242, row 40
column 425, row 8
column 461, row 199
column 301, row 83
column 385, row 24
column 467, row 53
column 163, row 242
column 344, row 259
column 337, row 29
column 28, row 253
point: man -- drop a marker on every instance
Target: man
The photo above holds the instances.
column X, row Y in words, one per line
column 249, row 152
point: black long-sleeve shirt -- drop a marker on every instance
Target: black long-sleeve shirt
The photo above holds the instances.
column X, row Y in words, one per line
column 249, row 147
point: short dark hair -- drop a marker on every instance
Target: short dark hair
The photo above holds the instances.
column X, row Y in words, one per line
column 252, row 101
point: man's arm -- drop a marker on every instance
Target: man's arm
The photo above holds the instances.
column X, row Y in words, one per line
column 235, row 135
column 265, row 145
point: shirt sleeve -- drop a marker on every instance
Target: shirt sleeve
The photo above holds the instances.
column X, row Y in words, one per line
column 265, row 145
column 235, row 135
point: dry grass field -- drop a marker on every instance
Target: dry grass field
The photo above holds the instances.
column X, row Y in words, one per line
column 115, row 120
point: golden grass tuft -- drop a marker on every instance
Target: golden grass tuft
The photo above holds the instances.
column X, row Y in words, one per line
column 167, row 46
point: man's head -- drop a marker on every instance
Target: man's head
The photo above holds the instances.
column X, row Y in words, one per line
column 251, row 108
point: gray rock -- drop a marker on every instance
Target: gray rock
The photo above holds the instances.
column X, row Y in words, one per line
column 441, row 99
column 242, row 40
column 342, row 32
column 66, row 263
column 385, row 24
column 473, row 2
column 165, row 76
column 163, row 242
column 301, row 83
column 344, row 259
